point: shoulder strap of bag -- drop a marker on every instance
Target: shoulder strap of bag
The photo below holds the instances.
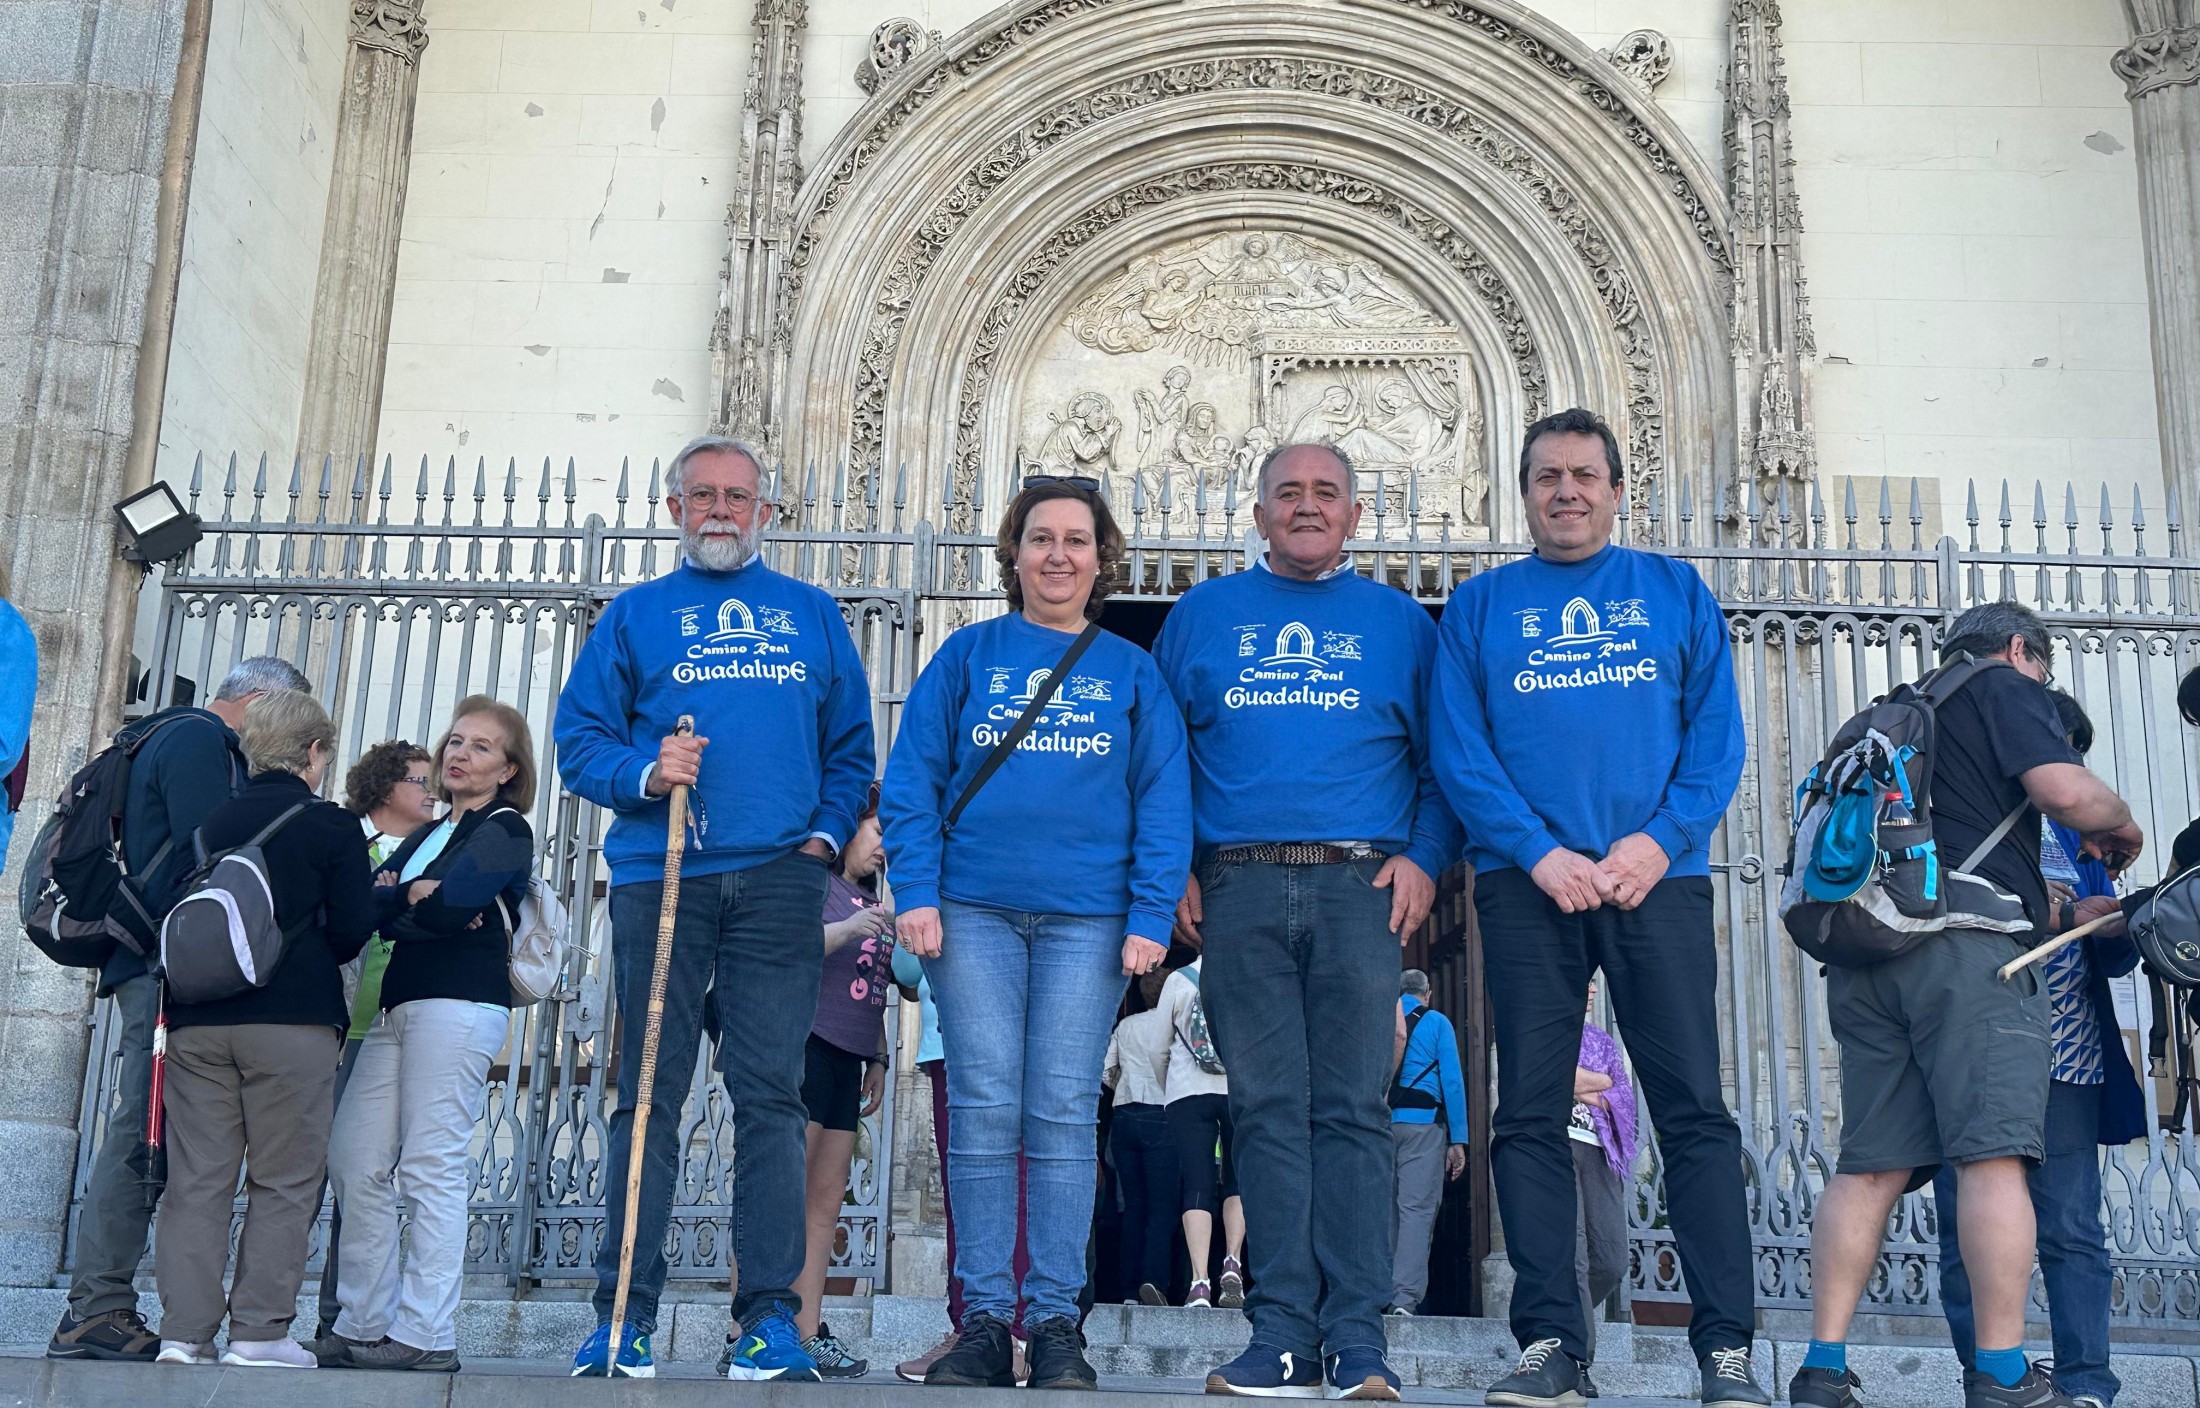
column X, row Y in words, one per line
column 206, row 857
column 1039, row 700
column 1993, row 837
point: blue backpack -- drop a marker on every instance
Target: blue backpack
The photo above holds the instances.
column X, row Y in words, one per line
column 1866, row 881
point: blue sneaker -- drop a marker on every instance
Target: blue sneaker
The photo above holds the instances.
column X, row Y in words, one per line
column 634, row 1358
column 1361, row 1373
column 1264, row 1371
column 772, row 1349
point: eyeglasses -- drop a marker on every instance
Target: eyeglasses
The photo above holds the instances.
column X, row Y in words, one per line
column 1076, row 481
column 417, row 781
column 735, row 499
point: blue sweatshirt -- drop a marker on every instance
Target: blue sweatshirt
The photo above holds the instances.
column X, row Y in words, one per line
column 767, row 667
column 1090, row 815
column 1579, row 703
column 1431, row 1065
column 1308, row 715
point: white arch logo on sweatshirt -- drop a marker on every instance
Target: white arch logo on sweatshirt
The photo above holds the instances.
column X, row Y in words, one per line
column 1301, row 669
column 1587, row 651
column 1068, row 724
column 748, row 643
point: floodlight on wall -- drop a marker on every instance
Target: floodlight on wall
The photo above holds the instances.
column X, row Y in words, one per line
column 155, row 526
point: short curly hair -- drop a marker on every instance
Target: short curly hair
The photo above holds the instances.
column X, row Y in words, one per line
column 1107, row 537
column 371, row 780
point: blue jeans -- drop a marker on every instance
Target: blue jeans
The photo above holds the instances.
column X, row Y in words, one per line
column 2066, row 1199
column 751, row 937
column 1300, row 982
column 1026, row 1002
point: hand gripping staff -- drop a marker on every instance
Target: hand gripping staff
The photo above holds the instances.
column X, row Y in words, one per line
column 653, row 1021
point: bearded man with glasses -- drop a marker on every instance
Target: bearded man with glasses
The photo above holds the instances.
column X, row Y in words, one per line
column 766, row 665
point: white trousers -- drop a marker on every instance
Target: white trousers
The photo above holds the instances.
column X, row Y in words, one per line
column 403, row 1129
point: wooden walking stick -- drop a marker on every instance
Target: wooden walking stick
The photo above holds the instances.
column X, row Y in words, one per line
column 653, row 1021
column 2009, row 970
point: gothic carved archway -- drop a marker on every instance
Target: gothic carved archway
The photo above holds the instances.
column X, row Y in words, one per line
column 1475, row 213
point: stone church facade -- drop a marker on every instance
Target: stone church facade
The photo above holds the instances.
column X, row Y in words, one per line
column 1800, row 256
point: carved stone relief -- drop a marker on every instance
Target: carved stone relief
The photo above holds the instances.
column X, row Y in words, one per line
column 895, row 44
column 1224, row 346
column 1642, row 55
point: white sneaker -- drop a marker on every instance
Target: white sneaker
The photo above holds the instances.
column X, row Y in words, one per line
column 184, row 1352
column 284, row 1353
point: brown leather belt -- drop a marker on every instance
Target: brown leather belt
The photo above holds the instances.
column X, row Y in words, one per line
column 1297, row 853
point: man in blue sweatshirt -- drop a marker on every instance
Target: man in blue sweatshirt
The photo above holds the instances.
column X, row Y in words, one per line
column 779, row 764
column 1428, row 1127
column 1588, row 733
column 1317, row 829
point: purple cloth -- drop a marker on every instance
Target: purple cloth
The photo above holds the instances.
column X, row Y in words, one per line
column 852, row 992
column 1615, row 1119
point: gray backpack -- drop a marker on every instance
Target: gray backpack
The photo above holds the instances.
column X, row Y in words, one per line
column 222, row 938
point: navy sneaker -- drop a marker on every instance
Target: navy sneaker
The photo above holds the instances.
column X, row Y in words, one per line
column 1266, row 1372
column 1361, row 1373
column 634, row 1357
column 772, row 1349
column 1727, row 1378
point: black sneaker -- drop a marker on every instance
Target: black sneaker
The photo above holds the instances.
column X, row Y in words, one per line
column 1825, row 1388
column 1545, row 1377
column 833, row 1359
column 116, row 1335
column 2034, row 1390
column 982, row 1356
column 334, row 1351
column 1727, row 1378
column 1588, row 1385
column 395, row 1354
column 1058, row 1355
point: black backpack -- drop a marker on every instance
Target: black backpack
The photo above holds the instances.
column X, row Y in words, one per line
column 1866, row 881
column 78, row 900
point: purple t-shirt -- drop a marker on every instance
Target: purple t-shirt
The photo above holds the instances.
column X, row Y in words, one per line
column 853, row 991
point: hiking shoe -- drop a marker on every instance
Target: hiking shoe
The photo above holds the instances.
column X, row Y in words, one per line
column 1201, row 1298
column 1058, row 1355
column 285, row 1353
column 117, row 1334
column 185, row 1352
column 1824, row 1388
column 1545, row 1377
column 634, row 1362
column 772, row 1349
column 1263, row 1371
column 395, row 1354
column 1231, row 1291
column 1361, row 1373
column 334, row 1350
column 1727, row 1378
column 912, row 1371
column 982, row 1357
column 1151, row 1294
column 2034, row 1390
column 833, row 1359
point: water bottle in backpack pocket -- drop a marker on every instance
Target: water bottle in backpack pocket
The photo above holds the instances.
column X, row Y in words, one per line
column 222, row 938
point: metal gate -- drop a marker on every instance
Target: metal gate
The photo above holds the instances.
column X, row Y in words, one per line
column 399, row 598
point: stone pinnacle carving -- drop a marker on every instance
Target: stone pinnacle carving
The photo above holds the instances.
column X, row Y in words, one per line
column 393, row 26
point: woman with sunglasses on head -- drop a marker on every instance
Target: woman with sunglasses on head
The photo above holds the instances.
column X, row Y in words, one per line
column 844, row 1073
column 1035, row 876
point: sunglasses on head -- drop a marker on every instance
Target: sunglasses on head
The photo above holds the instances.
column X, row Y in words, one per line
column 1076, row 481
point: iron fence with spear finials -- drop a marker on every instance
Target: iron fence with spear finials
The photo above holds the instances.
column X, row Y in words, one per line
column 403, row 591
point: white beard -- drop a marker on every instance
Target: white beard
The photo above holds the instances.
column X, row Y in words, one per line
column 726, row 551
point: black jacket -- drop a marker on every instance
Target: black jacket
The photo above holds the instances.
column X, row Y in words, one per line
column 182, row 775
column 483, row 869
column 318, row 869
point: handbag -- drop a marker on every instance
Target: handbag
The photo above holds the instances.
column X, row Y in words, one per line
column 1040, row 697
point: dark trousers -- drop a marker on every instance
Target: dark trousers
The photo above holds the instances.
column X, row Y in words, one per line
column 1205, row 1166
column 1300, row 982
column 330, row 1306
column 2066, row 1199
column 1146, row 1171
column 757, row 930
column 1021, row 1261
column 1661, row 969
column 116, row 1220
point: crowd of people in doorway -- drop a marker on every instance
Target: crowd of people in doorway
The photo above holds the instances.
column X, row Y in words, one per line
column 1183, row 877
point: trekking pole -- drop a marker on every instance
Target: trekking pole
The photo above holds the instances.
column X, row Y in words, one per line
column 653, row 1021
column 2009, row 969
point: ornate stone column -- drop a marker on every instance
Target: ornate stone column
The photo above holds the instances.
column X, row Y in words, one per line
column 2161, row 74
column 366, row 209
column 1773, row 345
